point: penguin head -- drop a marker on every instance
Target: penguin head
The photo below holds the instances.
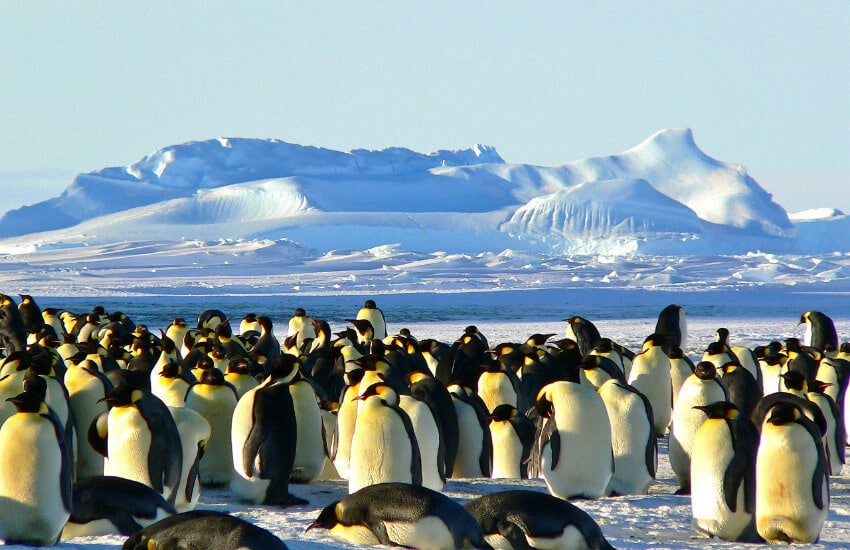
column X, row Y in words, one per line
column 794, row 380
column 817, row 386
column 705, row 370
column 328, row 518
column 179, row 322
column 722, row 335
column 783, row 413
column 503, row 412
column 353, row 376
column 793, row 344
column 300, row 312
column 538, row 339
column 265, row 323
column 123, row 396
column 250, row 318
column 382, row 390
column 17, row 361
column 213, row 377
column 237, row 365
column 284, row 368
column 728, row 367
column 170, row 370
column 218, row 352
column 604, row 345
column 545, row 407
column 654, row 339
column 675, row 353
column 418, row 376
column 35, row 384
column 719, row 410
column 29, row 402
column 370, row 304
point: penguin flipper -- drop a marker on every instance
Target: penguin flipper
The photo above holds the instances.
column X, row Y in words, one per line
column 551, row 436
column 732, row 479
column 194, row 472
column 125, row 523
column 516, row 536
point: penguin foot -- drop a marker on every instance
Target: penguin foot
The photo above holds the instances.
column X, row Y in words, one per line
column 683, row 491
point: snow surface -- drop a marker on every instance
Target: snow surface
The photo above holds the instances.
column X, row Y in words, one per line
column 659, row 519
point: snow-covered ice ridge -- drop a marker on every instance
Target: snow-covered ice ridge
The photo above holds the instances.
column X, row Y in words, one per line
column 662, row 197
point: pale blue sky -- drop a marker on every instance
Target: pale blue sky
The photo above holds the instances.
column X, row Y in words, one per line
column 87, row 85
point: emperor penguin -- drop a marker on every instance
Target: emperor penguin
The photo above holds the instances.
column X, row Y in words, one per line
column 701, row 388
column 372, row 313
column 177, row 330
column 141, row 440
column 741, row 386
column 609, row 349
column 310, row 454
column 13, row 331
column 574, row 446
column 512, row 434
column 792, row 480
column 239, row 373
column 215, row 399
column 384, row 446
column 194, row 433
column 50, row 315
column 267, row 346
column 203, row 529
column 108, row 505
column 834, row 438
column 431, row 446
column 673, row 324
column 403, row 515
column 531, row 519
column 582, row 332
column 650, row 375
column 87, row 389
column 723, row 474
column 249, row 323
column 345, row 422
column 820, row 331
column 475, row 445
column 681, row 367
column 301, row 325
column 633, row 439
column 432, row 392
column 263, row 436
column 30, row 313
column 36, row 473
column 211, row 318
column 169, row 385
column 498, row 385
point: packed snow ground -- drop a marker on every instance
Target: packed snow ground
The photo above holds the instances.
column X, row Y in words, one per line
column 658, row 520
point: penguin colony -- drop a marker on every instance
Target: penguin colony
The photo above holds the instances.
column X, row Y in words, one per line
column 109, row 428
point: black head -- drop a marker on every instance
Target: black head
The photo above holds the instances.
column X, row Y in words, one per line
column 284, row 367
column 783, row 413
column 27, row 402
column 300, row 312
column 705, row 370
column 503, row 412
column 794, row 380
column 719, row 410
column 370, row 304
column 213, row 377
column 123, row 396
column 328, row 517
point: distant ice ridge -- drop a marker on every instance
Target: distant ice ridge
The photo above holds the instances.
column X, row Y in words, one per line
column 663, row 196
